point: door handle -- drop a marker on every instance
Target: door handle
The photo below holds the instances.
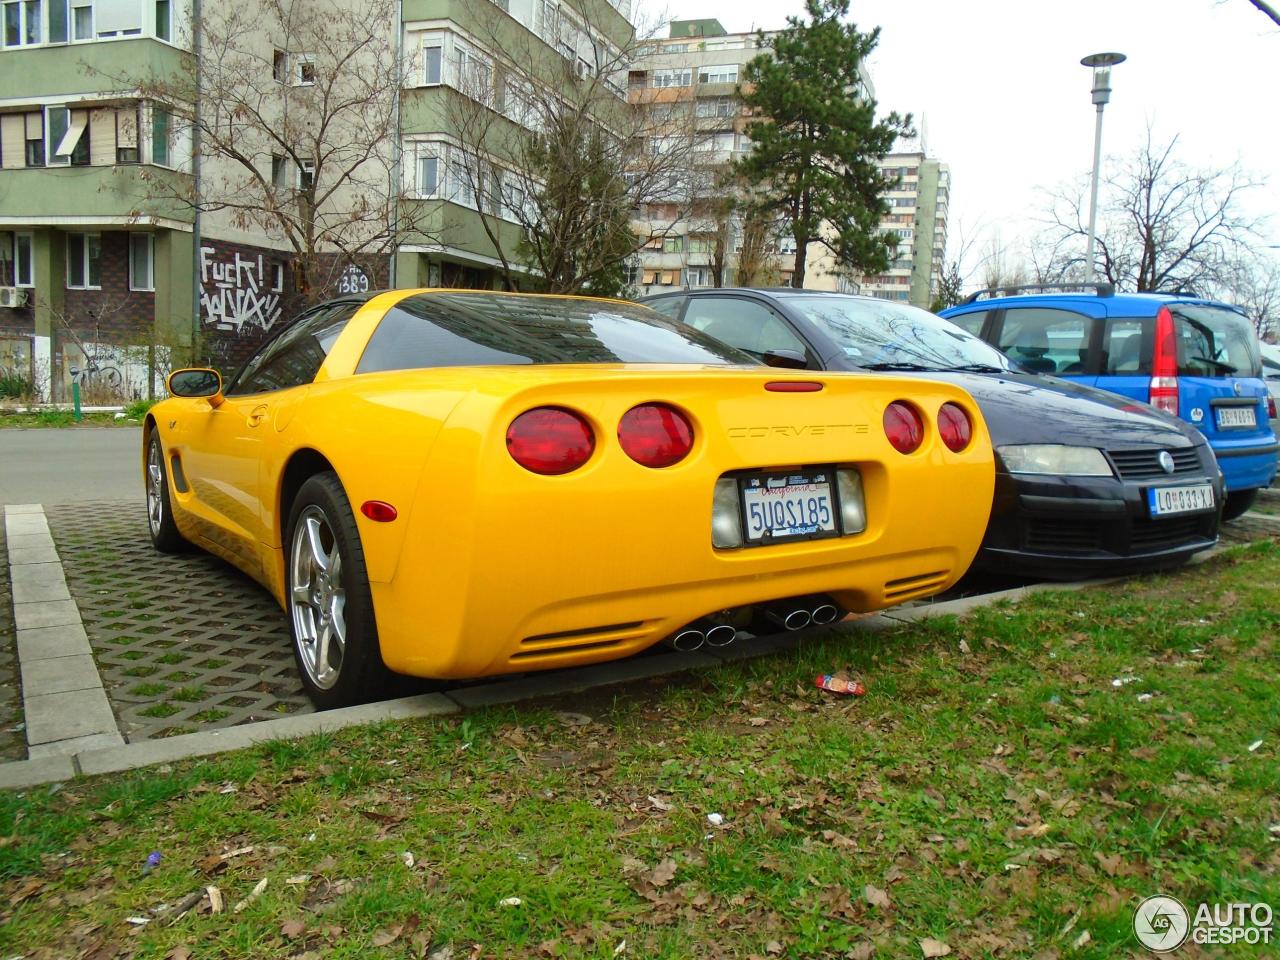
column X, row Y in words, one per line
column 257, row 415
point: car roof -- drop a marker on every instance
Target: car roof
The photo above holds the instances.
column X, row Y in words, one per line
column 1114, row 303
column 771, row 292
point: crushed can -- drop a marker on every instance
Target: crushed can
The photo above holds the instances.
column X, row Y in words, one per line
column 834, row 683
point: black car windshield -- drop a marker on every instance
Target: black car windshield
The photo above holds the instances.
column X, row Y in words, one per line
column 480, row 329
column 881, row 335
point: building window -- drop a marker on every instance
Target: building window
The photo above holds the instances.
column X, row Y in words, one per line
column 724, row 73
column 306, row 173
column 81, row 21
column 673, row 244
column 304, row 70
column 84, row 261
column 279, row 66
column 673, row 78
column 21, row 22
column 428, row 175
column 462, row 191
column 432, row 58
column 23, row 271
column 141, row 261
column 164, row 22
column 161, row 131
column 127, row 135
column 277, row 277
column 35, row 139
column 279, row 171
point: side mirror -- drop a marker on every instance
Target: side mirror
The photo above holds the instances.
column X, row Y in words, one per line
column 786, row 359
column 196, row 383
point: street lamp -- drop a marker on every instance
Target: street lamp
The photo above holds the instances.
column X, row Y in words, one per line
column 1101, row 64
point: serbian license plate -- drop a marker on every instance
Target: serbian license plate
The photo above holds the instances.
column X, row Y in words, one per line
column 1168, row 500
column 1229, row 417
column 792, row 505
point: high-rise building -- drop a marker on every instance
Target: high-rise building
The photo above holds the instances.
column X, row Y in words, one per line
column 125, row 237
column 918, row 203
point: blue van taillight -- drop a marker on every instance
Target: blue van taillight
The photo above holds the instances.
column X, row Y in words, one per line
column 1164, row 365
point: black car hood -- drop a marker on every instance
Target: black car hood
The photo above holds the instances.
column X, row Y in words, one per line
column 1029, row 408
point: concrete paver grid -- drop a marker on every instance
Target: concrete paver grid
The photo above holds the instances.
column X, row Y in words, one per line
column 182, row 643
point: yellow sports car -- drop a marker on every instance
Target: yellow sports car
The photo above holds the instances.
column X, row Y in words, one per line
column 451, row 484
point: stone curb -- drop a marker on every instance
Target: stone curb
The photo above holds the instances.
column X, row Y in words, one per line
column 28, row 773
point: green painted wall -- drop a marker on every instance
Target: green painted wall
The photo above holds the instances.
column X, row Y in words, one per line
column 926, row 216
column 84, row 192
column 84, row 67
column 174, row 272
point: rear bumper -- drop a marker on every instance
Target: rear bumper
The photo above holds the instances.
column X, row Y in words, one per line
column 1248, row 467
column 1080, row 527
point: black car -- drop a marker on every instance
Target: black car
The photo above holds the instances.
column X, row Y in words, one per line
column 1086, row 482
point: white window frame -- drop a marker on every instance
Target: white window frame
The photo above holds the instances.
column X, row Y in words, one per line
column 84, row 264
column 277, row 277
column 18, row 281
column 425, row 153
column 434, row 40
column 150, row 246
column 296, row 64
column 23, row 27
column 718, row 73
column 664, row 78
column 305, row 165
column 155, row 26
column 72, row 33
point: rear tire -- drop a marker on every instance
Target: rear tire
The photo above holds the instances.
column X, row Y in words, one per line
column 327, row 597
column 1238, row 503
column 160, row 523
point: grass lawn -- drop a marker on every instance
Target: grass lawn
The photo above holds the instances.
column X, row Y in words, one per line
column 63, row 418
column 1011, row 786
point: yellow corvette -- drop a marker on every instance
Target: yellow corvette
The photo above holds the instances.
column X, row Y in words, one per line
column 454, row 484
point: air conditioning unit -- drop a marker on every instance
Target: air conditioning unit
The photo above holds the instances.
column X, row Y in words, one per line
column 13, row 297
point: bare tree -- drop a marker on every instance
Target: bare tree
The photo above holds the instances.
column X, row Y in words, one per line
column 557, row 158
column 1253, row 283
column 291, row 104
column 1163, row 225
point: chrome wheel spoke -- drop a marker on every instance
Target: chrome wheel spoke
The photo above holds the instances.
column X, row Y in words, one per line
column 302, row 594
column 319, row 556
column 317, row 599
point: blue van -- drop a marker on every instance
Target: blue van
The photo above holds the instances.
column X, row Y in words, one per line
column 1192, row 358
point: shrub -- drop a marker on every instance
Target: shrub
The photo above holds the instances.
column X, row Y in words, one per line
column 138, row 409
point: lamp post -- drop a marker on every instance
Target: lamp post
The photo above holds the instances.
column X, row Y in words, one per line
column 1101, row 64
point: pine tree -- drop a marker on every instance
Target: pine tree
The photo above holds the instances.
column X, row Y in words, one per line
column 817, row 142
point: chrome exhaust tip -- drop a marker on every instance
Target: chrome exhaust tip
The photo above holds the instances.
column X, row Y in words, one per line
column 787, row 616
column 824, row 613
column 721, row 635
column 686, row 640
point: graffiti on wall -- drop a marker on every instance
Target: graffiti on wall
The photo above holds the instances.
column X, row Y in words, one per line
column 235, row 293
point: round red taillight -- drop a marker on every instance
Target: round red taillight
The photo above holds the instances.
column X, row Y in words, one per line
column 550, row 440
column 954, row 427
column 655, row 435
column 903, row 427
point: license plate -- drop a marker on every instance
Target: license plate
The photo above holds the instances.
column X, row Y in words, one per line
column 1229, row 417
column 1164, row 501
column 790, row 505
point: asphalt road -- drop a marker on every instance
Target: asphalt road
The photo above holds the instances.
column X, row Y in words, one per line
column 70, row 464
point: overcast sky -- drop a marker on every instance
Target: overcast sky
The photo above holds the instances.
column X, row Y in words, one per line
column 998, row 87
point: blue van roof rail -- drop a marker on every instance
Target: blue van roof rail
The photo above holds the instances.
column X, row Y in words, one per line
column 1101, row 289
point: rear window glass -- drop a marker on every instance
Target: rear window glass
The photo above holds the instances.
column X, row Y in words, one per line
column 481, row 329
column 1213, row 342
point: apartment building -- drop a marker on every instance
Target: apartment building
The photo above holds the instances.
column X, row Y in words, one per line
column 918, row 205
column 109, row 267
column 691, row 78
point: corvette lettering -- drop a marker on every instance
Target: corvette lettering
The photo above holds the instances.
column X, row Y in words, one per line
column 808, row 430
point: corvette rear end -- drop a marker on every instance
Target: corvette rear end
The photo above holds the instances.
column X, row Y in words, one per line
column 596, row 511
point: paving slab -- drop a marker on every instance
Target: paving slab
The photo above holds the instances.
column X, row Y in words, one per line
column 60, row 675
column 61, row 716
column 30, row 773
column 32, row 555
column 10, row 509
column 45, row 613
column 29, row 541
column 34, row 592
column 37, row 574
column 15, row 525
column 148, row 752
column 44, row 642
column 75, row 745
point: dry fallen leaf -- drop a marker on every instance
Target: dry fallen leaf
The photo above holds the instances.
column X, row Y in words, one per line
column 934, row 948
column 663, row 873
column 179, row 952
column 773, row 948
column 292, row 929
column 876, row 897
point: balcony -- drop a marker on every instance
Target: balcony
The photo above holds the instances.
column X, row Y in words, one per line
column 36, row 194
column 80, row 69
